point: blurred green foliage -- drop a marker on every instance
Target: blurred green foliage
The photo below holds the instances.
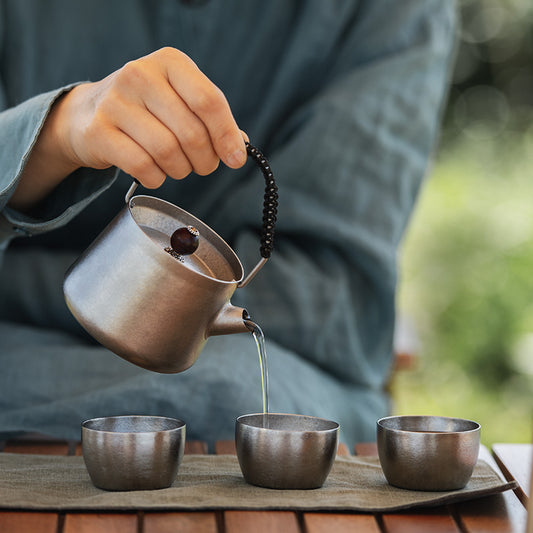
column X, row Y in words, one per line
column 467, row 262
column 467, row 285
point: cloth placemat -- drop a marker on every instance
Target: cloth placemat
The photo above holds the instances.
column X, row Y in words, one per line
column 47, row 482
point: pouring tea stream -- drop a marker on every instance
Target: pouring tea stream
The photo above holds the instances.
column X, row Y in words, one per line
column 150, row 308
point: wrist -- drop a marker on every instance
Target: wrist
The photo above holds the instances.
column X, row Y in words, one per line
column 54, row 139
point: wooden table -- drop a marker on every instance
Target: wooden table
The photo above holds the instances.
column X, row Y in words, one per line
column 502, row 513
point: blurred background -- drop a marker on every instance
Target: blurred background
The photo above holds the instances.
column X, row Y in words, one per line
column 466, row 290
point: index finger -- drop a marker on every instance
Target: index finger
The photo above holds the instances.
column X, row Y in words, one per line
column 208, row 103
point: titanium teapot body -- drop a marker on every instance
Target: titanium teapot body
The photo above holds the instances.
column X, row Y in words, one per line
column 145, row 305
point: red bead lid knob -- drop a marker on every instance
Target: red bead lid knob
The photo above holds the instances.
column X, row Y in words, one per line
column 185, row 240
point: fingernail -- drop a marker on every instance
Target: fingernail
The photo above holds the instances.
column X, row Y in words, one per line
column 237, row 158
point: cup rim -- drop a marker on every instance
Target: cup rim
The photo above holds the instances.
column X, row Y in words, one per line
column 180, row 424
column 475, row 426
column 334, row 425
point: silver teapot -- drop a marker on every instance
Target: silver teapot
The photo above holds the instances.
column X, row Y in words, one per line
column 154, row 308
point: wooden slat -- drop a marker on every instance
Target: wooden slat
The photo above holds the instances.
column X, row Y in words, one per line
column 100, row 523
column 261, row 522
column 436, row 520
column 340, row 523
column 501, row 513
column 22, row 522
column 514, row 461
column 343, row 449
column 197, row 447
column 366, row 449
column 186, row 522
column 225, row 447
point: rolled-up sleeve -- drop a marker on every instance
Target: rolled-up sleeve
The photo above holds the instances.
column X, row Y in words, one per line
column 19, row 129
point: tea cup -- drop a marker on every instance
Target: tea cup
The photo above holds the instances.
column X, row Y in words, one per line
column 133, row 452
column 286, row 451
column 429, row 453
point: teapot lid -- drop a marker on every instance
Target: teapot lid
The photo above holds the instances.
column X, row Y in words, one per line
column 159, row 219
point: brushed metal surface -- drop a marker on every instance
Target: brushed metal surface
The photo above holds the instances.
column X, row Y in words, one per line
column 133, row 452
column 285, row 451
column 143, row 304
column 430, row 453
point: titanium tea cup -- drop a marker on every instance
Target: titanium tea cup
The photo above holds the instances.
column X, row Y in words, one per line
column 133, row 452
column 285, row 451
column 430, row 453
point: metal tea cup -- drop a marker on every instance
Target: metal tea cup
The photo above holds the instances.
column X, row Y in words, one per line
column 431, row 453
column 133, row 452
column 286, row 451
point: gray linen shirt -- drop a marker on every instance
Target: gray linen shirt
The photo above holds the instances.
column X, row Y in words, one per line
column 343, row 97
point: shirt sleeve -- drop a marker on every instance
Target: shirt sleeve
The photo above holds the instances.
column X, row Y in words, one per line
column 349, row 173
column 19, row 128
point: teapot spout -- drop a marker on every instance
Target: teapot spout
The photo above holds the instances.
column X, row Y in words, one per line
column 230, row 319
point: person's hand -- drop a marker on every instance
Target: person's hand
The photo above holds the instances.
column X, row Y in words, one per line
column 156, row 116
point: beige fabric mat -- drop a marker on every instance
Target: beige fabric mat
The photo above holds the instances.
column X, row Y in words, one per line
column 49, row 482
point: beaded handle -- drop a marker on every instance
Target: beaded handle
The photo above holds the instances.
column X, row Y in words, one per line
column 270, row 202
